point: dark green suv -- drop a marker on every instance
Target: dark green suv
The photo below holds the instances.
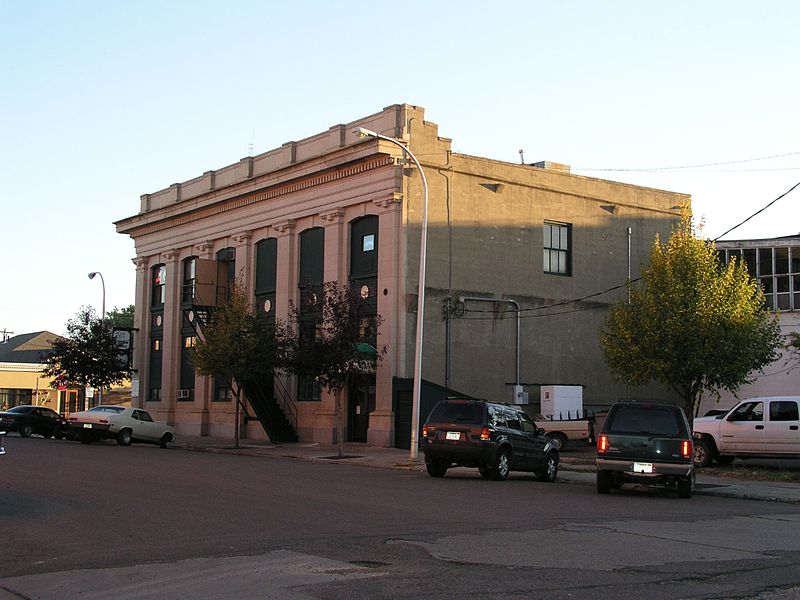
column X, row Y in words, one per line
column 648, row 443
column 495, row 438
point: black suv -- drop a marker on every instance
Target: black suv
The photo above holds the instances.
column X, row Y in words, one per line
column 495, row 438
column 647, row 443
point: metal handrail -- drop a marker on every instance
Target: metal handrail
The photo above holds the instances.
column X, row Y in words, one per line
column 286, row 403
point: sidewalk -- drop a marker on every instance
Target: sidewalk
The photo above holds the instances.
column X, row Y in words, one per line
column 576, row 466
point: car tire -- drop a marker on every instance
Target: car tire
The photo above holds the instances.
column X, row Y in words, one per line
column 559, row 440
column 502, row 465
column 165, row 439
column 703, row 453
column 125, row 437
column 686, row 486
column 25, row 431
column 603, row 482
column 550, row 471
column 435, row 468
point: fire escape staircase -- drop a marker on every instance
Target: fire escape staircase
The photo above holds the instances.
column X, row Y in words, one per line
column 271, row 405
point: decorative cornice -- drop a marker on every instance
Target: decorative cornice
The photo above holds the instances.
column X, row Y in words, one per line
column 333, row 216
column 262, row 196
column 285, row 226
column 206, row 246
column 140, row 262
column 171, row 254
column 243, row 237
column 391, row 201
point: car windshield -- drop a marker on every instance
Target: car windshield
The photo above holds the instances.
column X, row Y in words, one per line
column 645, row 421
column 21, row 409
column 107, row 409
column 457, row 412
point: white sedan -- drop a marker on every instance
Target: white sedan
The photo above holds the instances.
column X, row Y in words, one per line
column 125, row 424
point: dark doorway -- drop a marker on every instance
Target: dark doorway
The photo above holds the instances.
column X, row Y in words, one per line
column 360, row 402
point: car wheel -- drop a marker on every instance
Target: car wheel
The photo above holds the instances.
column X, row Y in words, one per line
column 703, row 455
column 25, row 431
column 502, row 466
column 435, row 468
column 686, row 486
column 550, row 468
column 559, row 440
column 165, row 439
column 603, row 482
column 124, row 437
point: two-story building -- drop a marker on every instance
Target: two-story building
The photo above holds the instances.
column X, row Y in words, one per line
column 522, row 262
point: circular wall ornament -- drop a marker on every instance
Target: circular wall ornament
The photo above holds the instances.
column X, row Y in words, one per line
column 158, row 321
column 267, row 306
column 190, row 316
column 364, row 292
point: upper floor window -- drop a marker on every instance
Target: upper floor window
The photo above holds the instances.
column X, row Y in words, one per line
column 189, row 279
column 159, row 285
column 557, row 248
column 364, row 247
column 312, row 256
column 777, row 270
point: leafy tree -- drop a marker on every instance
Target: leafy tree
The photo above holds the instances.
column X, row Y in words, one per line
column 121, row 317
column 694, row 324
column 239, row 346
column 337, row 346
column 87, row 355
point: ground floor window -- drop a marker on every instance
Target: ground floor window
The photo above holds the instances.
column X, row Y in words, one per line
column 10, row 397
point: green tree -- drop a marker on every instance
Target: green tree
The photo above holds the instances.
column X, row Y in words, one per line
column 693, row 324
column 87, row 355
column 239, row 346
column 121, row 318
column 338, row 345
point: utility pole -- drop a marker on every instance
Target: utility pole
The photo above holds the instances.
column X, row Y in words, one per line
column 6, row 334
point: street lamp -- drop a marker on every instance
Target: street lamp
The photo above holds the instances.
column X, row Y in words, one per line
column 102, row 320
column 423, row 242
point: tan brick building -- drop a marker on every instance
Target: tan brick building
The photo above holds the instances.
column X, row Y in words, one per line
column 337, row 207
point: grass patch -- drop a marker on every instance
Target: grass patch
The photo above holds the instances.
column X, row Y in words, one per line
column 741, row 470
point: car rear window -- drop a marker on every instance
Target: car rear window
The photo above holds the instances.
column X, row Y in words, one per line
column 664, row 421
column 457, row 412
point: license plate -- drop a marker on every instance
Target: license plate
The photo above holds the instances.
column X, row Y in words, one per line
column 87, row 425
column 642, row 467
column 453, row 435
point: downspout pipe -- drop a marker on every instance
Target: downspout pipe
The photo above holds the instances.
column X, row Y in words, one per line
column 515, row 304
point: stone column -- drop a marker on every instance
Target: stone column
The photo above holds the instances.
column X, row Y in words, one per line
column 170, row 344
column 141, row 332
column 390, row 302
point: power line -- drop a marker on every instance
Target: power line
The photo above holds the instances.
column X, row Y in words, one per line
column 786, row 193
column 677, row 168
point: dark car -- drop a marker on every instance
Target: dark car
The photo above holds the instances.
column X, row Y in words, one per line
column 494, row 438
column 646, row 443
column 27, row 420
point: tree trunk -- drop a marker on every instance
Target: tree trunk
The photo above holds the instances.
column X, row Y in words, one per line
column 339, row 427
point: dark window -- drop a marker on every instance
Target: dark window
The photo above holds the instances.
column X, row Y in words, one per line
column 664, row 421
column 189, row 280
column 512, row 418
column 557, row 248
column 454, row 411
column 749, row 411
column 312, row 256
column 497, row 417
column 784, row 410
column 308, row 389
column 765, row 261
column 266, row 276
column 226, row 273
column 158, row 294
column 364, row 247
column 528, row 426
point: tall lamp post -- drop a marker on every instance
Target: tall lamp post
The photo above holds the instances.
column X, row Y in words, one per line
column 102, row 320
column 423, row 242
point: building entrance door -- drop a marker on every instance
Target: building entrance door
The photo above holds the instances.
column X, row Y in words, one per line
column 360, row 402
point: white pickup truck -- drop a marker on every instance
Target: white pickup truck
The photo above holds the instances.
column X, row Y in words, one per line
column 561, row 431
column 754, row 428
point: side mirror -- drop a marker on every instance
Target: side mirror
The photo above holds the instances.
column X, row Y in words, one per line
column 539, row 431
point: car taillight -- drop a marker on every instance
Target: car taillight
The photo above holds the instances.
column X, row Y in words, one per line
column 425, row 431
column 486, row 433
column 602, row 443
column 686, row 449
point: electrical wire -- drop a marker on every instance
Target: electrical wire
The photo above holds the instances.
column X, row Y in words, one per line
column 677, row 168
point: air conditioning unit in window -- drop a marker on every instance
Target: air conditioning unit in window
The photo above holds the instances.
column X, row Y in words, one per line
column 184, row 394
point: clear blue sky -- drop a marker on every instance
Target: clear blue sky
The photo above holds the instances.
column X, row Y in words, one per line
column 104, row 101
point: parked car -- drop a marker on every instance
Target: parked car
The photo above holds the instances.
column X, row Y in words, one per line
column 647, row 443
column 494, row 438
column 27, row 420
column 124, row 424
column 577, row 429
column 766, row 427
